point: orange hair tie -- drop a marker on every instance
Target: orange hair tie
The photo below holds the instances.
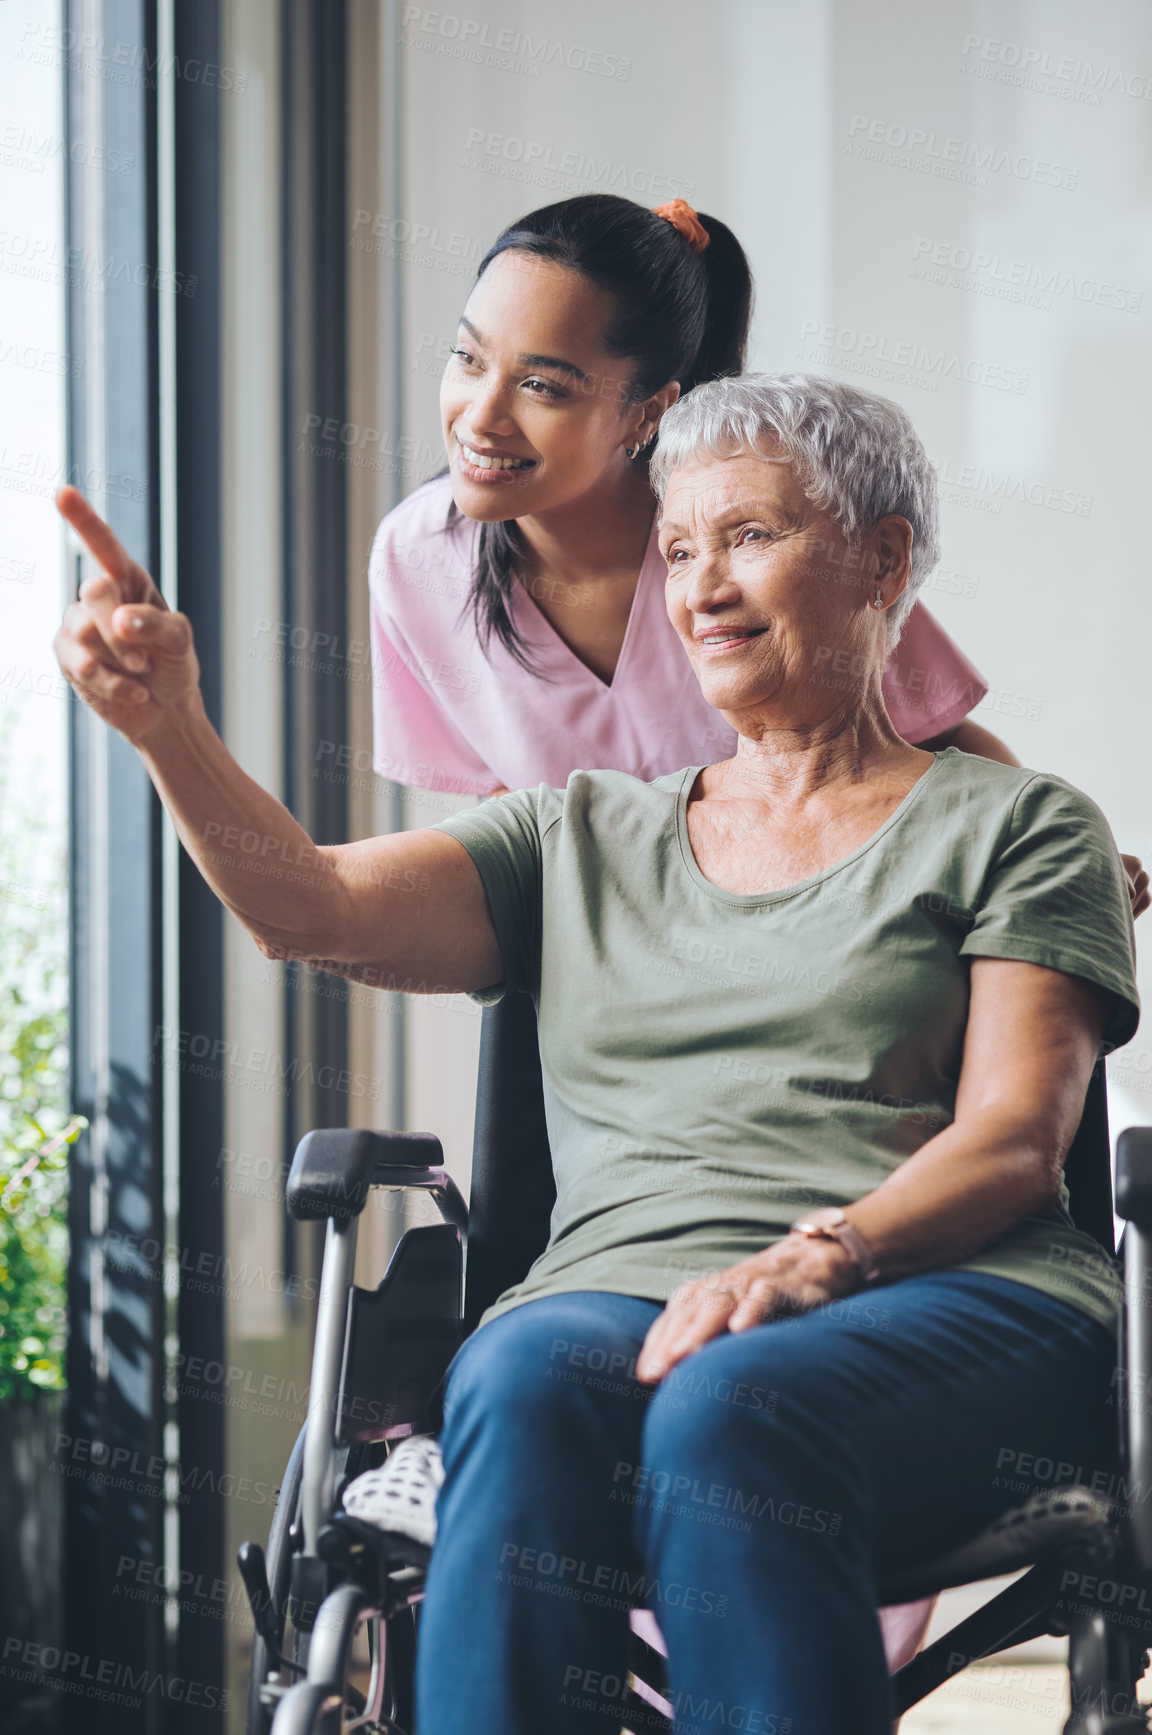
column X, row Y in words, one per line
column 680, row 214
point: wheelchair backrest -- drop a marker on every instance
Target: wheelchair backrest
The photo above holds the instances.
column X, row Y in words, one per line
column 513, row 1192
column 1088, row 1166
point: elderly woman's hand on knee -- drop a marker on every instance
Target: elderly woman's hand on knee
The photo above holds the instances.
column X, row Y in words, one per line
column 790, row 1277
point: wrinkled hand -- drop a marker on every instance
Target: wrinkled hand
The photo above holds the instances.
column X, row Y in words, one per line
column 792, row 1276
column 1137, row 876
column 123, row 650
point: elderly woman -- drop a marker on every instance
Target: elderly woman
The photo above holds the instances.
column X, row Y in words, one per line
column 834, row 975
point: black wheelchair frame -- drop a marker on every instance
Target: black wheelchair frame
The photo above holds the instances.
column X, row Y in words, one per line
column 378, row 1365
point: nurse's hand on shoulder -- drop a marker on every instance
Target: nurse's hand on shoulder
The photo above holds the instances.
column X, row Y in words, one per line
column 1137, row 876
column 792, row 1276
column 970, row 737
column 126, row 653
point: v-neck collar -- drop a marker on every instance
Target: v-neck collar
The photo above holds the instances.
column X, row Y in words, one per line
column 538, row 629
column 782, row 893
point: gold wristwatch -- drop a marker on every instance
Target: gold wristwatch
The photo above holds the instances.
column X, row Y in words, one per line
column 830, row 1224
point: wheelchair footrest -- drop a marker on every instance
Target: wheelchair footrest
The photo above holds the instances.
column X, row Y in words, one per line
column 1020, row 1537
column 346, row 1543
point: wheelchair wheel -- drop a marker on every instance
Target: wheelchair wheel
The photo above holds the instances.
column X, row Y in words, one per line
column 329, row 1702
column 309, row 1709
column 278, row 1557
column 315, row 1705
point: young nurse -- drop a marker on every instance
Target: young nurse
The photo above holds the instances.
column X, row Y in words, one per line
column 518, row 621
column 518, row 624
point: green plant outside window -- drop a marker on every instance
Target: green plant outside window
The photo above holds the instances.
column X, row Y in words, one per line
column 35, row 1128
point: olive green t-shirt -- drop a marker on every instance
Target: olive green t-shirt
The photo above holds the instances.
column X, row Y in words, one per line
column 714, row 1062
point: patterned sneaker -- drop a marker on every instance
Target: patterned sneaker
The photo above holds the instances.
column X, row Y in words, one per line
column 401, row 1495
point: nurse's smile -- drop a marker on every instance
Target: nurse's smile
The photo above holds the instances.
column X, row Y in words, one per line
column 489, row 467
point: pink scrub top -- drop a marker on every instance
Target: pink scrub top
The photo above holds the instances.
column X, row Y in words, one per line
column 449, row 715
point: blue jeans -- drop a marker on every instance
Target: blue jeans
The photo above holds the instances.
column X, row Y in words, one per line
column 752, row 1502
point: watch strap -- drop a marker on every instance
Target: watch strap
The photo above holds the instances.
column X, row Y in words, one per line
column 836, row 1227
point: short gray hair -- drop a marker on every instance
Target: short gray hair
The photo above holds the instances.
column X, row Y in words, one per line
column 856, row 455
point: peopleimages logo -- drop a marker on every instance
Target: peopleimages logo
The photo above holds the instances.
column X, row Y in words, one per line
column 23, row 148
column 103, row 1679
column 504, row 47
column 533, row 160
column 1092, row 78
column 605, row 1585
column 986, row 272
column 845, row 345
column 873, row 138
column 975, row 484
column 205, row 1056
column 119, row 62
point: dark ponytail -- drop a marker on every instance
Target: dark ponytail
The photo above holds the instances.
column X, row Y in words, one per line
column 725, row 337
column 680, row 315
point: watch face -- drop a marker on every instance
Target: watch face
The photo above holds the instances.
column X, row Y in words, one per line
column 827, row 1217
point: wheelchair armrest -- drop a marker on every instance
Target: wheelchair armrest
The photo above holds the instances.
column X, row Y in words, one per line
column 438, row 1182
column 1134, row 1203
column 335, row 1168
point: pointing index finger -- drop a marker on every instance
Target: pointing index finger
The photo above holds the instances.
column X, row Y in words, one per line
column 106, row 548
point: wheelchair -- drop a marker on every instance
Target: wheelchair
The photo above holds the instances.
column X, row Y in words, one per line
column 378, row 1367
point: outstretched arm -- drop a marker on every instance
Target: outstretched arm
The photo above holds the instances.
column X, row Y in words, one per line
column 405, row 909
